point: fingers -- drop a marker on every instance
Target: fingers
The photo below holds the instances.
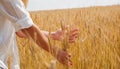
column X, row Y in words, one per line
column 64, row 58
column 69, row 61
column 74, row 32
column 73, row 35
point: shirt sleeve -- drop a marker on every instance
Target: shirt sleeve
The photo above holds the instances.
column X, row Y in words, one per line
column 15, row 11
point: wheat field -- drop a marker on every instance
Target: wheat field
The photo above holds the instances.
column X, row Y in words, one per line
column 98, row 44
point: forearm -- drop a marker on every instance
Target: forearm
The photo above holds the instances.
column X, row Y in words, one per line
column 39, row 37
column 21, row 34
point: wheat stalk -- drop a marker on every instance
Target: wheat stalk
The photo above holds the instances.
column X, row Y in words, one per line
column 65, row 38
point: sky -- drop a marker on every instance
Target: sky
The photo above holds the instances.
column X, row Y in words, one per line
column 64, row 4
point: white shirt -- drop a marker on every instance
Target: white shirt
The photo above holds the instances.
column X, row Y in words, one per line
column 13, row 17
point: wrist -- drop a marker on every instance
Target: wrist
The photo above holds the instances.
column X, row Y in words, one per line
column 54, row 51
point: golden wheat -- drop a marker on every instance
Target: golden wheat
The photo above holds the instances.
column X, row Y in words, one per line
column 98, row 44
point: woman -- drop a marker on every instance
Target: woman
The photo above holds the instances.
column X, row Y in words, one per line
column 14, row 19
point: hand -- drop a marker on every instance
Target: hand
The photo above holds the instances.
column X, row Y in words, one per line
column 73, row 34
column 64, row 57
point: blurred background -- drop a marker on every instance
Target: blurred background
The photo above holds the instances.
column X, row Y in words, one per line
column 63, row 4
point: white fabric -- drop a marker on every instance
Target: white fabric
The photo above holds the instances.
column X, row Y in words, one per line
column 13, row 17
column 2, row 65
